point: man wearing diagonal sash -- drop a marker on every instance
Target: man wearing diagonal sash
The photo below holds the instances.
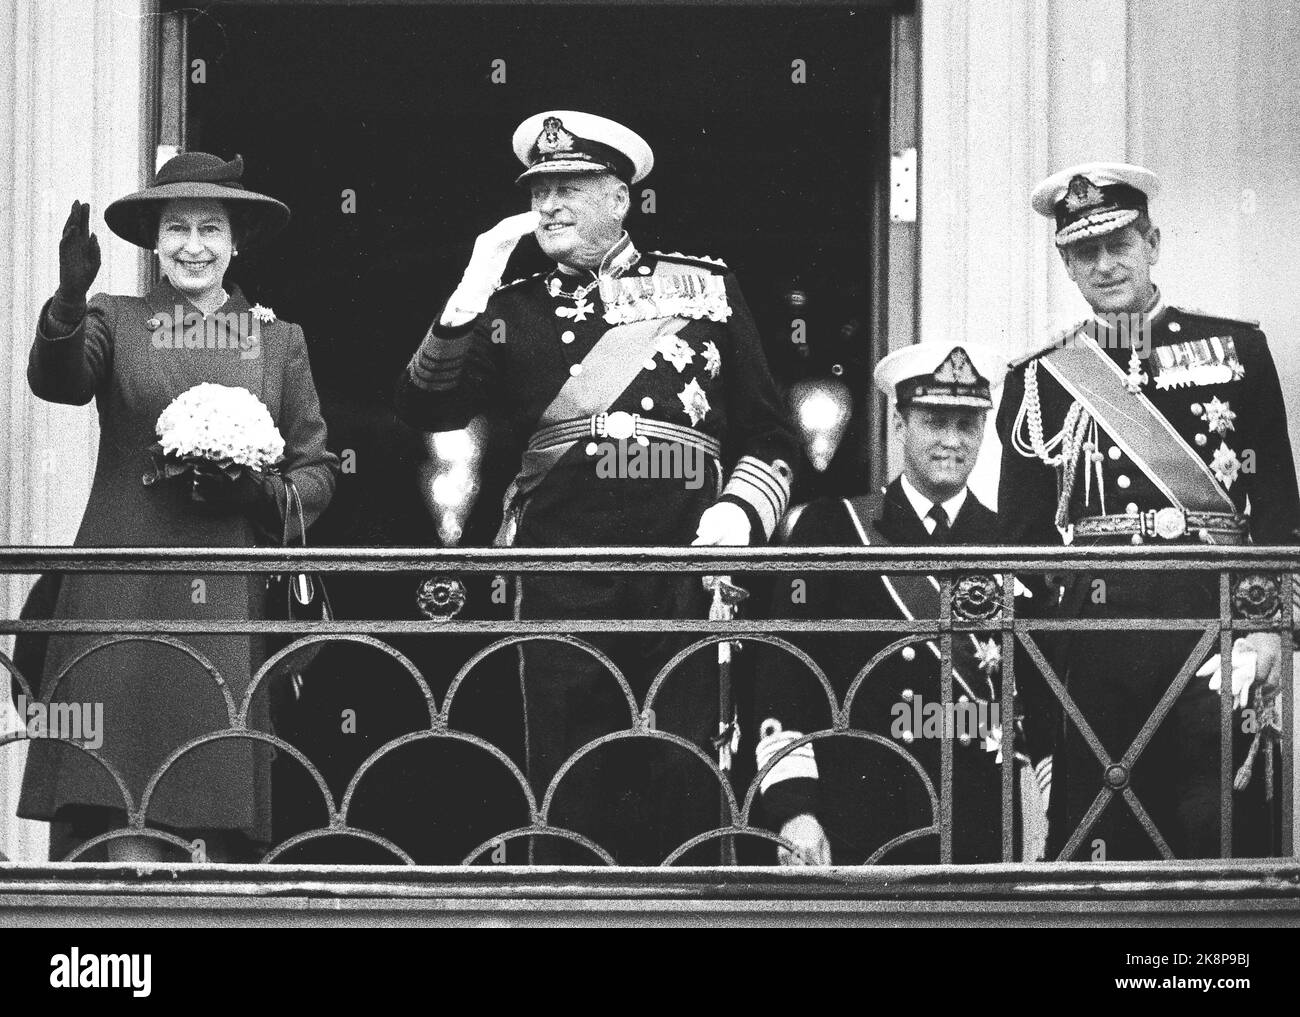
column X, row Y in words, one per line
column 1147, row 423
column 641, row 380
column 847, row 800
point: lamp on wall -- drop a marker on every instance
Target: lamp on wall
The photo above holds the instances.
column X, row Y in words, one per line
column 821, row 408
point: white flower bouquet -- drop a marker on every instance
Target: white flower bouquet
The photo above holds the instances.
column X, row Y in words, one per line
column 219, row 426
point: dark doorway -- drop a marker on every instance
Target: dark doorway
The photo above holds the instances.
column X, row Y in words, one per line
column 398, row 105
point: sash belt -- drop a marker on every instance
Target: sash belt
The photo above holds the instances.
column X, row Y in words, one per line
column 1168, row 524
column 622, row 425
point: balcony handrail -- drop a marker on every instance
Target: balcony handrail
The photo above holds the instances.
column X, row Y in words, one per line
column 896, row 558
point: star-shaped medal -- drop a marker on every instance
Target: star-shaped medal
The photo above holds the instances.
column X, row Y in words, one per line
column 695, row 404
column 1217, row 416
column 712, row 359
column 988, row 656
column 676, row 351
column 1225, row 465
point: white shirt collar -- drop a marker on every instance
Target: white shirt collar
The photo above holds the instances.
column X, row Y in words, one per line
column 921, row 504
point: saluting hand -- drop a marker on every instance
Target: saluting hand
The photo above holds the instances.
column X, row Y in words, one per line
column 78, row 255
column 492, row 250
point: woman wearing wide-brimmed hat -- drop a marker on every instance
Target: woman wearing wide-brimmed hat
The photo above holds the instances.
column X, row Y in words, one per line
column 133, row 356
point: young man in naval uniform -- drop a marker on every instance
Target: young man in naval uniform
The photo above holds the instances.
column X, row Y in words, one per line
column 654, row 421
column 1146, row 423
column 849, row 800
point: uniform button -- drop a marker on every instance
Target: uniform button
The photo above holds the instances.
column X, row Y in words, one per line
column 649, row 365
column 1114, row 452
column 908, row 737
column 909, row 653
column 1122, row 480
column 567, row 337
column 907, row 693
column 1175, row 327
column 1200, row 439
column 1131, row 508
column 575, row 370
column 1195, row 408
column 647, row 403
column 644, row 269
column 592, row 448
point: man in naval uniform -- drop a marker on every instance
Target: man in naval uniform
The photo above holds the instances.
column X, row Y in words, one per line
column 1145, row 423
column 654, row 421
column 850, row 800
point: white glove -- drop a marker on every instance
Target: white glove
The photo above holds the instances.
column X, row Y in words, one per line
column 724, row 524
column 491, row 252
column 806, row 834
column 1244, row 659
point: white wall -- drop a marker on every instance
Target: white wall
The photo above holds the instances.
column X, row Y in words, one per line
column 1204, row 94
column 71, row 126
column 1217, row 115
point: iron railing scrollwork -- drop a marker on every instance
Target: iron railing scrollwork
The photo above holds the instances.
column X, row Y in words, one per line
column 1257, row 591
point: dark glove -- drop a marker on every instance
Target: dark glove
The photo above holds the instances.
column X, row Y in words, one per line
column 78, row 256
column 216, row 489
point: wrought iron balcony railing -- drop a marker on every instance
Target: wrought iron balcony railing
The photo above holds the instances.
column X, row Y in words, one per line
column 1256, row 592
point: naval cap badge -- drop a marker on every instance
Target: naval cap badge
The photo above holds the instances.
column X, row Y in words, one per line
column 1082, row 193
column 957, row 369
column 554, row 137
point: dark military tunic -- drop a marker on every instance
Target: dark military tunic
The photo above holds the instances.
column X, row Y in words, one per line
column 866, row 794
column 1234, row 417
column 710, row 377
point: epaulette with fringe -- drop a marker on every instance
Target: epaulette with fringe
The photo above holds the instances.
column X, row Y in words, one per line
column 717, row 264
column 1056, row 338
column 1248, row 322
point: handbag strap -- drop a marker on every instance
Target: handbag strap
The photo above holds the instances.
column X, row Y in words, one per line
column 293, row 505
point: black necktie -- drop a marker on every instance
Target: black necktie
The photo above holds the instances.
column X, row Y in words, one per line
column 942, row 531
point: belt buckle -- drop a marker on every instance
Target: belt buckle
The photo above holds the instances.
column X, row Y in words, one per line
column 617, row 425
column 1167, row 523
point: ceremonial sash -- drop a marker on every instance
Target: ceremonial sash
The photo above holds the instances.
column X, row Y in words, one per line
column 1137, row 427
column 607, row 370
column 915, row 596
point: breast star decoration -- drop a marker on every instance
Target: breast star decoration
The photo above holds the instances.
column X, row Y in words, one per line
column 1217, row 416
column 712, row 359
column 676, row 351
column 988, row 655
column 695, row 404
column 262, row 314
column 1225, row 465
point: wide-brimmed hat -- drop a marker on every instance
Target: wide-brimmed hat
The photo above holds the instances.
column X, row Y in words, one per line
column 203, row 176
column 568, row 141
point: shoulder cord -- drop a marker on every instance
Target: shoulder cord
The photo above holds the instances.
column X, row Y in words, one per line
column 1069, row 439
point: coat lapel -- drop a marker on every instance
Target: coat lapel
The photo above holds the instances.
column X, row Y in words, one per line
column 195, row 349
column 898, row 521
